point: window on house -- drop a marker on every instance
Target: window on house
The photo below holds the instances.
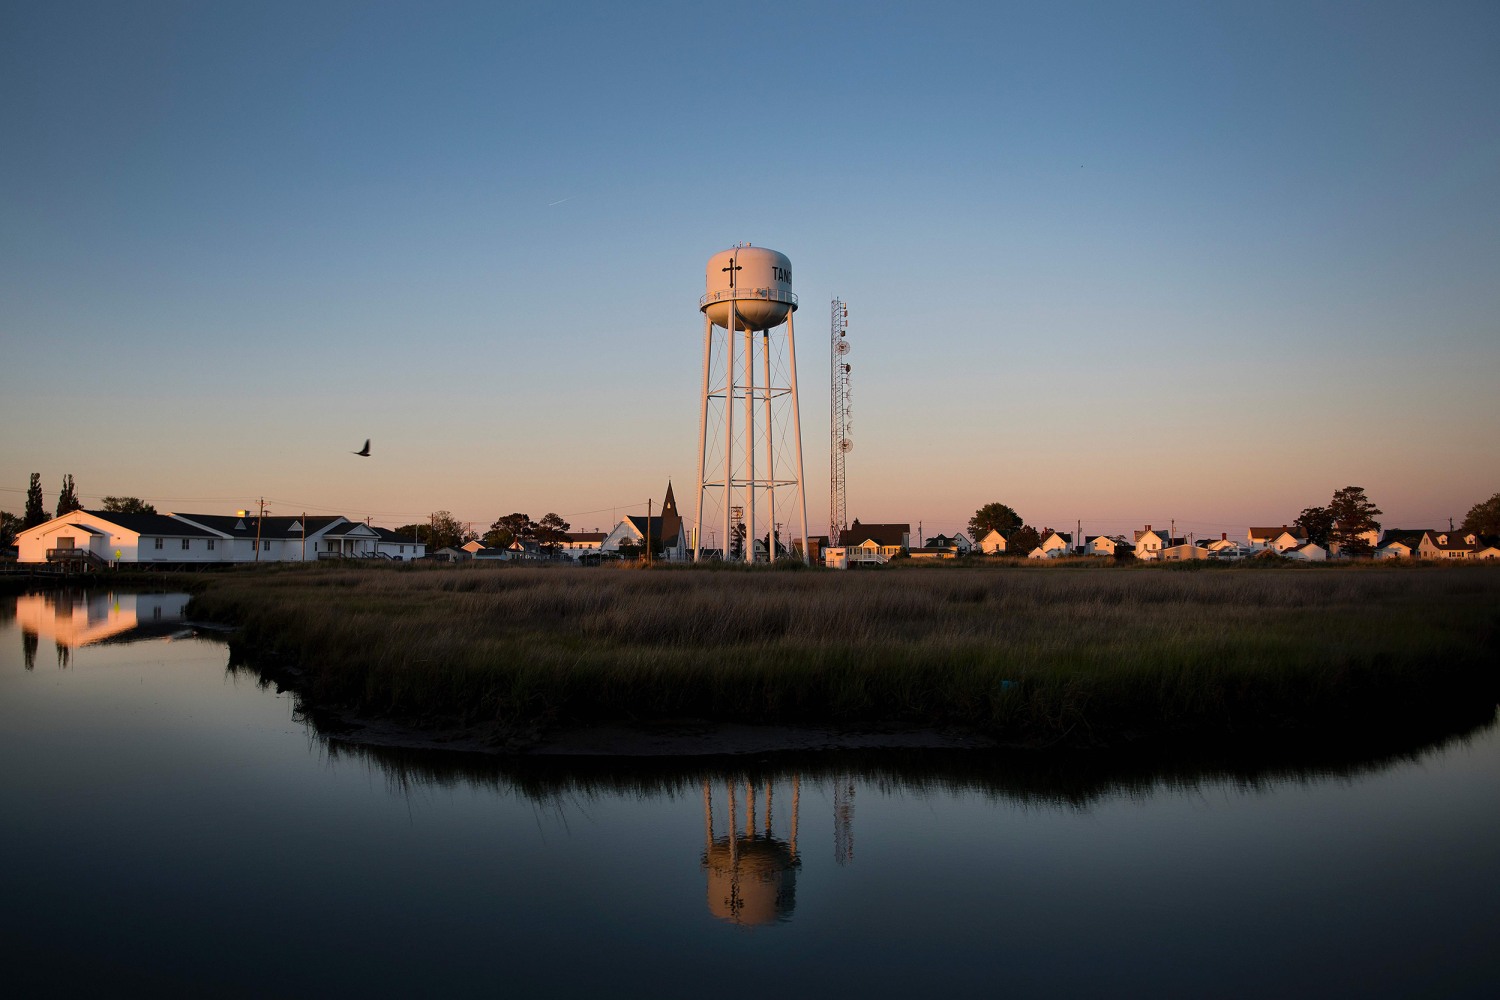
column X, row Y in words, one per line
column 186, row 543
column 265, row 546
column 160, row 542
column 211, row 544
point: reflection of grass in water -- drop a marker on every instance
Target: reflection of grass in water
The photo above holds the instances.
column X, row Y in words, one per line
column 1031, row 656
column 1074, row 779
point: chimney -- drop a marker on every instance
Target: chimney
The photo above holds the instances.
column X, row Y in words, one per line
column 1223, row 536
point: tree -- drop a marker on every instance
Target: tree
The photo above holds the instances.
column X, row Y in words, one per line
column 35, row 513
column 993, row 517
column 420, row 533
column 128, row 505
column 517, row 525
column 10, row 527
column 1352, row 514
column 444, row 530
column 1317, row 523
column 1023, row 541
column 1484, row 518
column 67, row 497
column 551, row 531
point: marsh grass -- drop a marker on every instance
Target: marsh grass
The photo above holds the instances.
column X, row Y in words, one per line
column 1073, row 655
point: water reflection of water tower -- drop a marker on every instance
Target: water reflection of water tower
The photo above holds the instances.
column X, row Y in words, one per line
column 749, row 295
column 752, row 872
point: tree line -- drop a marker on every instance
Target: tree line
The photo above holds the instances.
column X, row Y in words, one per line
column 1347, row 517
column 443, row 530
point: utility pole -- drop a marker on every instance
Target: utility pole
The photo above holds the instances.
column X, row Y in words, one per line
column 648, row 524
column 304, row 536
column 261, row 517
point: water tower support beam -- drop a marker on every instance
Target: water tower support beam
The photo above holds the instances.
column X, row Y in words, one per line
column 728, row 430
column 708, row 332
column 765, row 347
column 749, row 433
column 791, row 347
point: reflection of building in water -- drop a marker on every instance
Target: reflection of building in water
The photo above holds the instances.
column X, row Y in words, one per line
column 752, row 874
column 843, row 822
column 72, row 620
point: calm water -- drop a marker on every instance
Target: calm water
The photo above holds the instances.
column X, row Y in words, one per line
column 170, row 826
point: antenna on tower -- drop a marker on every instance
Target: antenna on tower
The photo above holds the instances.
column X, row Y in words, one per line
column 840, row 435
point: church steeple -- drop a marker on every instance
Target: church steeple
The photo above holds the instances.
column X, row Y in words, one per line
column 669, row 503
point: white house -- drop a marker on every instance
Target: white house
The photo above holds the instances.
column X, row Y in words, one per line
column 1399, row 543
column 1054, row 545
column 1370, row 537
column 1149, row 543
column 1224, row 547
column 398, row 547
column 888, row 539
column 1307, row 552
column 1447, row 545
column 105, row 537
column 1183, row 552
column 582, row 545
column 943, row 547
column 1281, row 539
column 1103, row 545
column 992, row 544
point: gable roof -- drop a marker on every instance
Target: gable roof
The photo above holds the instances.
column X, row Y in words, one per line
column 1291, row 529
column 586, row 536
column 881, row 534
column 270, row 527
column 151, row 524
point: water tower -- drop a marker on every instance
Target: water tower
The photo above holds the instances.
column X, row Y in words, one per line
column 747, row 369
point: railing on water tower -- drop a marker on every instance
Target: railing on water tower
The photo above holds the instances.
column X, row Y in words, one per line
column 764, row 294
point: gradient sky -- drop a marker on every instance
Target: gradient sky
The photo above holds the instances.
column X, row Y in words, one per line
column 1122, row 263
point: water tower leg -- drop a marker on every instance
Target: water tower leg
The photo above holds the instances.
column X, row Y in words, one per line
column 791, row 349
column 749, row 445
column 728, row 431
column 708, row 330
column 765, row 348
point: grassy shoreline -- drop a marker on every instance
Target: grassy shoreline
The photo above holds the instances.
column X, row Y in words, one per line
column 1061, row 657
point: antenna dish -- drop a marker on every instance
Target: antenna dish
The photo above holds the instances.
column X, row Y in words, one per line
column 846, row 445
column 843, row 347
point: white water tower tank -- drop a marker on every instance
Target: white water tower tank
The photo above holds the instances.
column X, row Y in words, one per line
column 756, row 280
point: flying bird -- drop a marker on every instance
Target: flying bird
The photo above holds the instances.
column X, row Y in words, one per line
column 365, row 451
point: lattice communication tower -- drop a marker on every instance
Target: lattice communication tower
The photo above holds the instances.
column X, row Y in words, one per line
column 840, row 436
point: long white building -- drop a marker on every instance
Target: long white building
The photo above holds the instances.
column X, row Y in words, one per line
column 107, row 538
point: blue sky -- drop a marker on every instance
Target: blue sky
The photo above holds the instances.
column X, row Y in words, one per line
column 1122, row 263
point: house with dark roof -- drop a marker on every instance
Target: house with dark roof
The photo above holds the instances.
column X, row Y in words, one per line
column 1281, row 539
column 1448, row 545
column 665, row 531
column 104, row 538
column 1054, row 545
column 96, row 537
column 1150, row 543
column 401, row 548
column 1399, row 543
column 1105, row 545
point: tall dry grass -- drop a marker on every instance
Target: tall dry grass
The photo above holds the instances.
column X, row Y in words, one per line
column 1031, row 656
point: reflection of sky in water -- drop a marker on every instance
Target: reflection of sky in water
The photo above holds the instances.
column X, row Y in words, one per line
column 170, row 825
